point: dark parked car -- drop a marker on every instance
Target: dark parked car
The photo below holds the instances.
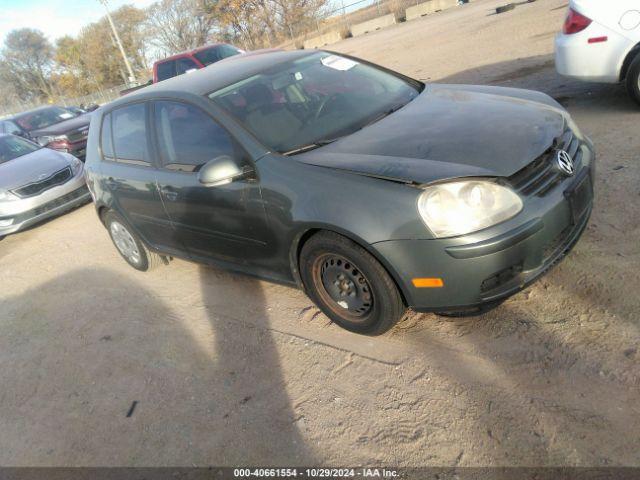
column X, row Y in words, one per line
column 9, row 126
column 58, row 128
column 36, row 183
column 370, row 190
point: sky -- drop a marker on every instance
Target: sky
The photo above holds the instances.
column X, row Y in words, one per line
column 55, row 18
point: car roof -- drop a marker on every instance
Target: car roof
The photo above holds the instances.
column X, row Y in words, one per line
column 215, row 76
column 33, row 110
column 189, row 52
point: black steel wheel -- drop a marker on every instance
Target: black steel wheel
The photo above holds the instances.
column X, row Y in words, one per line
column 633, row 79
column 344, row 284
column 349, row 285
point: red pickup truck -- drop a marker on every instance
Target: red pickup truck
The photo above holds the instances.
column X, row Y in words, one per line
column 192, row 60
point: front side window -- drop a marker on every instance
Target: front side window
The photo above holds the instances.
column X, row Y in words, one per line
column 14, row 147
column 314, row 99
column 213, row 54
column 166, row 70
column 43, row 118
column 128, row 125
column 188, row 137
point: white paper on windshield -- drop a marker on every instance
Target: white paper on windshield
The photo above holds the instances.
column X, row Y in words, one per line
column 64, row 116
column 338, row 63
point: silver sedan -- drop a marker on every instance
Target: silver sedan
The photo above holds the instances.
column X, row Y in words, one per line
column 36, row 183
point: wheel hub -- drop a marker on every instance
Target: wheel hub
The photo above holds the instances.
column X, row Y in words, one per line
column 124, row 242
column 346, row 285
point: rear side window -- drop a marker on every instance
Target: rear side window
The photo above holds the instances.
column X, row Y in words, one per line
column 106, row 142
column 166, row 70
column 188, row 137
column 184, row 64
column 213, row 54
column 130, row 133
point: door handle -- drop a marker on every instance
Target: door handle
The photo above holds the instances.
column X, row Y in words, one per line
column 169, row 193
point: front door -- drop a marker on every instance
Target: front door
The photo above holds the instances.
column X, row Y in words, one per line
column 225, row 222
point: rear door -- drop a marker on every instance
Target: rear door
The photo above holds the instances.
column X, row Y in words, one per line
column 226, row 222
column 129, row 174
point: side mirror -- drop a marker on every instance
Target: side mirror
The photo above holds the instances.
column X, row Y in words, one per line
column 220, row 171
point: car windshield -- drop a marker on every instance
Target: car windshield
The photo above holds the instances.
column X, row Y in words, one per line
column 13, row 147
column 43, row 118
column 302, row 104
column 213, row 54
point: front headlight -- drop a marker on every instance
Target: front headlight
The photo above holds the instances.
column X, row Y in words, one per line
column 7, row 196
column 461, row 207
column 47, row 139
column 76, row 165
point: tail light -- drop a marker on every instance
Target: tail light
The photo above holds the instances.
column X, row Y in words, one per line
column 575, row 22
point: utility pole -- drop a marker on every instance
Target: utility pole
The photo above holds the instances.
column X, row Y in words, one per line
column 132, row 77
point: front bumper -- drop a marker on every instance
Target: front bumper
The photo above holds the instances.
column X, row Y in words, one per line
column 19, row 214
column 497, row 262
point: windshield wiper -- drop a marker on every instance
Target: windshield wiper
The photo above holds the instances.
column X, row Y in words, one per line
column 385, row 113
column 310, row 146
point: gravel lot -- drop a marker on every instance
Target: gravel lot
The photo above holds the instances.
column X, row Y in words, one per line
column 229, row 370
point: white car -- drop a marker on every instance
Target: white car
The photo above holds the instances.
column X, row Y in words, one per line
column 600, row 42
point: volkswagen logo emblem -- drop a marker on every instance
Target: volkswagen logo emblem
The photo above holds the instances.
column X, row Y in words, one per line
column 565, row 163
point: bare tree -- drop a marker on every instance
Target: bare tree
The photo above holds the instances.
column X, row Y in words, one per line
column 262, row 23
column 176, row 25
column 27, row 61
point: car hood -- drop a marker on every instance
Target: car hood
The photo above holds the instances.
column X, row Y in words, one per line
column 31, row 167
column 450, row 131
column 64, row 127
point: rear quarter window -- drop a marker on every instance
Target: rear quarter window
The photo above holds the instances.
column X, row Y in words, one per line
column 106, row 142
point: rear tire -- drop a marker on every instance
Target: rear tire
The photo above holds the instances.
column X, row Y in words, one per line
column 129, row 245
column 349, row 285
column 633, row 79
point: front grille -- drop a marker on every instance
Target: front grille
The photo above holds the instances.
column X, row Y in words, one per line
column 35, row 188
column 498, row 279
column 53, row 204
column 541, row 175
column 554, row 244
column 78, row 135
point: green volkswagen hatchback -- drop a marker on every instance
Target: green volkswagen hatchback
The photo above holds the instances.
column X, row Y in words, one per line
column 371, row 191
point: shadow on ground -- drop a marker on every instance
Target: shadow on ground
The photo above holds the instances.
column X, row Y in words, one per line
column 87, row 345
column 538, row 73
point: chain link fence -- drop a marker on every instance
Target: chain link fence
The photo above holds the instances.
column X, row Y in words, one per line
column 99, row 97
column 340, row 18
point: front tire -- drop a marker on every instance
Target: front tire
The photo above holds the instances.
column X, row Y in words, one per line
column 349, row 285
column 633, row 79
column 129, row 245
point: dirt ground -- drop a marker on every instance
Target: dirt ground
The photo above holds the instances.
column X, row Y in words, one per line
column 229, row 370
